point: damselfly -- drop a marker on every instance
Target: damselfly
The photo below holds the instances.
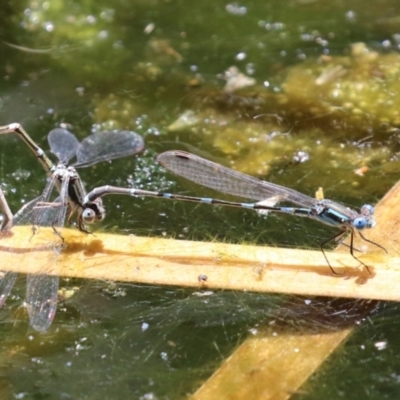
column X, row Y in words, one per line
column 223, row 179
column 49, row 212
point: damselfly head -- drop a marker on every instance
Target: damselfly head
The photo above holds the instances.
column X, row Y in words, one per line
column 366, row 218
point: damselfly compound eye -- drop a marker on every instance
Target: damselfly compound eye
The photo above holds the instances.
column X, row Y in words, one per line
column 88, row 216
column 367, row 209
column 360, row 223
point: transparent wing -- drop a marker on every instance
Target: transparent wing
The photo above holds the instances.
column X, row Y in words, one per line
column 41, row 300
column 63, row 144
column 47, row 218
column 7, row 278
column 108, row 145
column 226, row 180
column 6, row 284
column 24, row 215
column 41, row 292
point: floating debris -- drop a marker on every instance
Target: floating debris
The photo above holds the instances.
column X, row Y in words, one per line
column 330, row 75
column 361, row 171
column 236, row 80
column 186, row 120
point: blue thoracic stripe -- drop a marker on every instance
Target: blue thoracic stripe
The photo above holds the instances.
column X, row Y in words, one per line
column 328, row 220
column 333, row 217
column 247, row 205
column 206, row 200
column 167, row 195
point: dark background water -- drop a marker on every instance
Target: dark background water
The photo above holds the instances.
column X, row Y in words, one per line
column 139, row 65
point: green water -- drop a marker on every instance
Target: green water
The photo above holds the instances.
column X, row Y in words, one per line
column 139, row 65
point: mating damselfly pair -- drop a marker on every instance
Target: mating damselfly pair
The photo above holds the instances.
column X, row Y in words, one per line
column 49, row 210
